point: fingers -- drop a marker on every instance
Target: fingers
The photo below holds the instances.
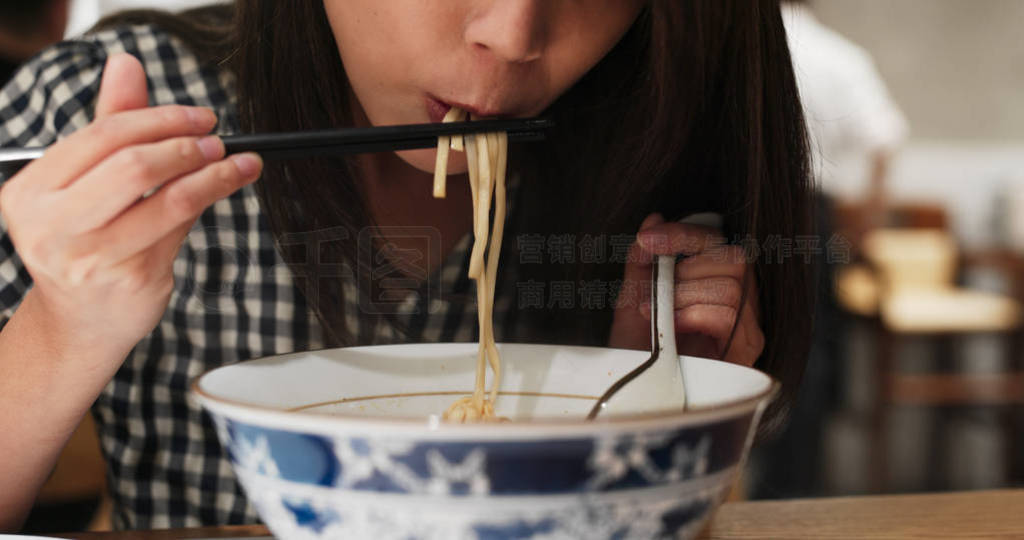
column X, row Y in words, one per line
column 714, row 312
column 658, row 237
column 716, row 323
column 122, row 119
column 709, row 293
column 716, row 291
column 674, row 238
column 719, row 291
column 177, row 204
column 706, row 310
column 749, row 341
column 638, row 260
column 123, row 87
column 710, row 320
column 725, row 260
column 629, row 330
column 87, row 147
column 120, row 180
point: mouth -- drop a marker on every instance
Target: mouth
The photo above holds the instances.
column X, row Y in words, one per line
column 437, row 109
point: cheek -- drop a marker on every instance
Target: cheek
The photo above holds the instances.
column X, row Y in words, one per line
column 365, row 55
column 382, row 45
column 585, row 37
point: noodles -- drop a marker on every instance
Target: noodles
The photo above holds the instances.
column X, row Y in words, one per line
column 443, row 144
column 487, row 157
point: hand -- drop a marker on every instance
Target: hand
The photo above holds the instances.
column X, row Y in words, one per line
column 99, row 253
column 708, row 293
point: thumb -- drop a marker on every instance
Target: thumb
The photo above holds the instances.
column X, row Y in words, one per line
column 123, row 87
column 652, row 220
column 636, row 275
column 630, row 328
column 638, row 261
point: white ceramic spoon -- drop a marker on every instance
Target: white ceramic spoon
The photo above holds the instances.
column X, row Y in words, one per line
column 657, row 384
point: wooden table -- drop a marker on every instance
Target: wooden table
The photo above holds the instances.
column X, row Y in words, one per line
column 978, row 514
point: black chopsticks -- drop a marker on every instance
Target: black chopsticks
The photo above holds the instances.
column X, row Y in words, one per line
column 338, row 141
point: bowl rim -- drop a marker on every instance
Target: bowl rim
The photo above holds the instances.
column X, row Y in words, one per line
column 432, row 427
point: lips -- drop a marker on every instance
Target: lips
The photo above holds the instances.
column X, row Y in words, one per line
column 437, row 109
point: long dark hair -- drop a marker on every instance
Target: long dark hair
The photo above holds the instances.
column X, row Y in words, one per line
column 695, row 110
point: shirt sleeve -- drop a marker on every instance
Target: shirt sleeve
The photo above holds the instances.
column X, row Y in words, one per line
column 50, row 97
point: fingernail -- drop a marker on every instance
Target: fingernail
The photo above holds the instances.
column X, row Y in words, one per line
column 652, row 220
column 645, row 309
column 211, row 147
column 201, row 116
column 652, row 240
column 248, row 164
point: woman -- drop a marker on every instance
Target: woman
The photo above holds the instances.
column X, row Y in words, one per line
column 663, row 108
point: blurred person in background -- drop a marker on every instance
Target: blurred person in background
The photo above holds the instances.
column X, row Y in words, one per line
column 855, row 129
column 85, row 13
column 27, row 27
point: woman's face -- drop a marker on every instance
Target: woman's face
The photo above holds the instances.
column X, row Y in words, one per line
column 409, row 61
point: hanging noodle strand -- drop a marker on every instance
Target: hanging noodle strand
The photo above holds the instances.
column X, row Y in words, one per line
column 487, row 158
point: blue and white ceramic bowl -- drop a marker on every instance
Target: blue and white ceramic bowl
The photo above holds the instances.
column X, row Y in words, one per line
column 348, row 443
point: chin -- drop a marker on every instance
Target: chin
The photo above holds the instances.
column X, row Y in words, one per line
column 426, row 159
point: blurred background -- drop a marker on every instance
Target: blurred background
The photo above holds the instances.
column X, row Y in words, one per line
column 916, row 378
column 85, row 13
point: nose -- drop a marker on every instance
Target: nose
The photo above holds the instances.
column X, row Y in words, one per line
column 512, row 30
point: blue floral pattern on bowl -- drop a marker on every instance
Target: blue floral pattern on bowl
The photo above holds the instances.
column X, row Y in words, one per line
column 626, row 485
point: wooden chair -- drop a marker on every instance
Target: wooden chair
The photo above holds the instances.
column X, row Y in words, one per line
column 855, row 220
column 908, row 286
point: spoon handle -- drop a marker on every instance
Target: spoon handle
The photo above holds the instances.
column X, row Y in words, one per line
column 663, row 303
column 663, row 331
column 663, row 335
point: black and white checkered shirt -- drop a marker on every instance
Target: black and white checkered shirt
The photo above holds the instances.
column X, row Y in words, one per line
column 234, row 296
